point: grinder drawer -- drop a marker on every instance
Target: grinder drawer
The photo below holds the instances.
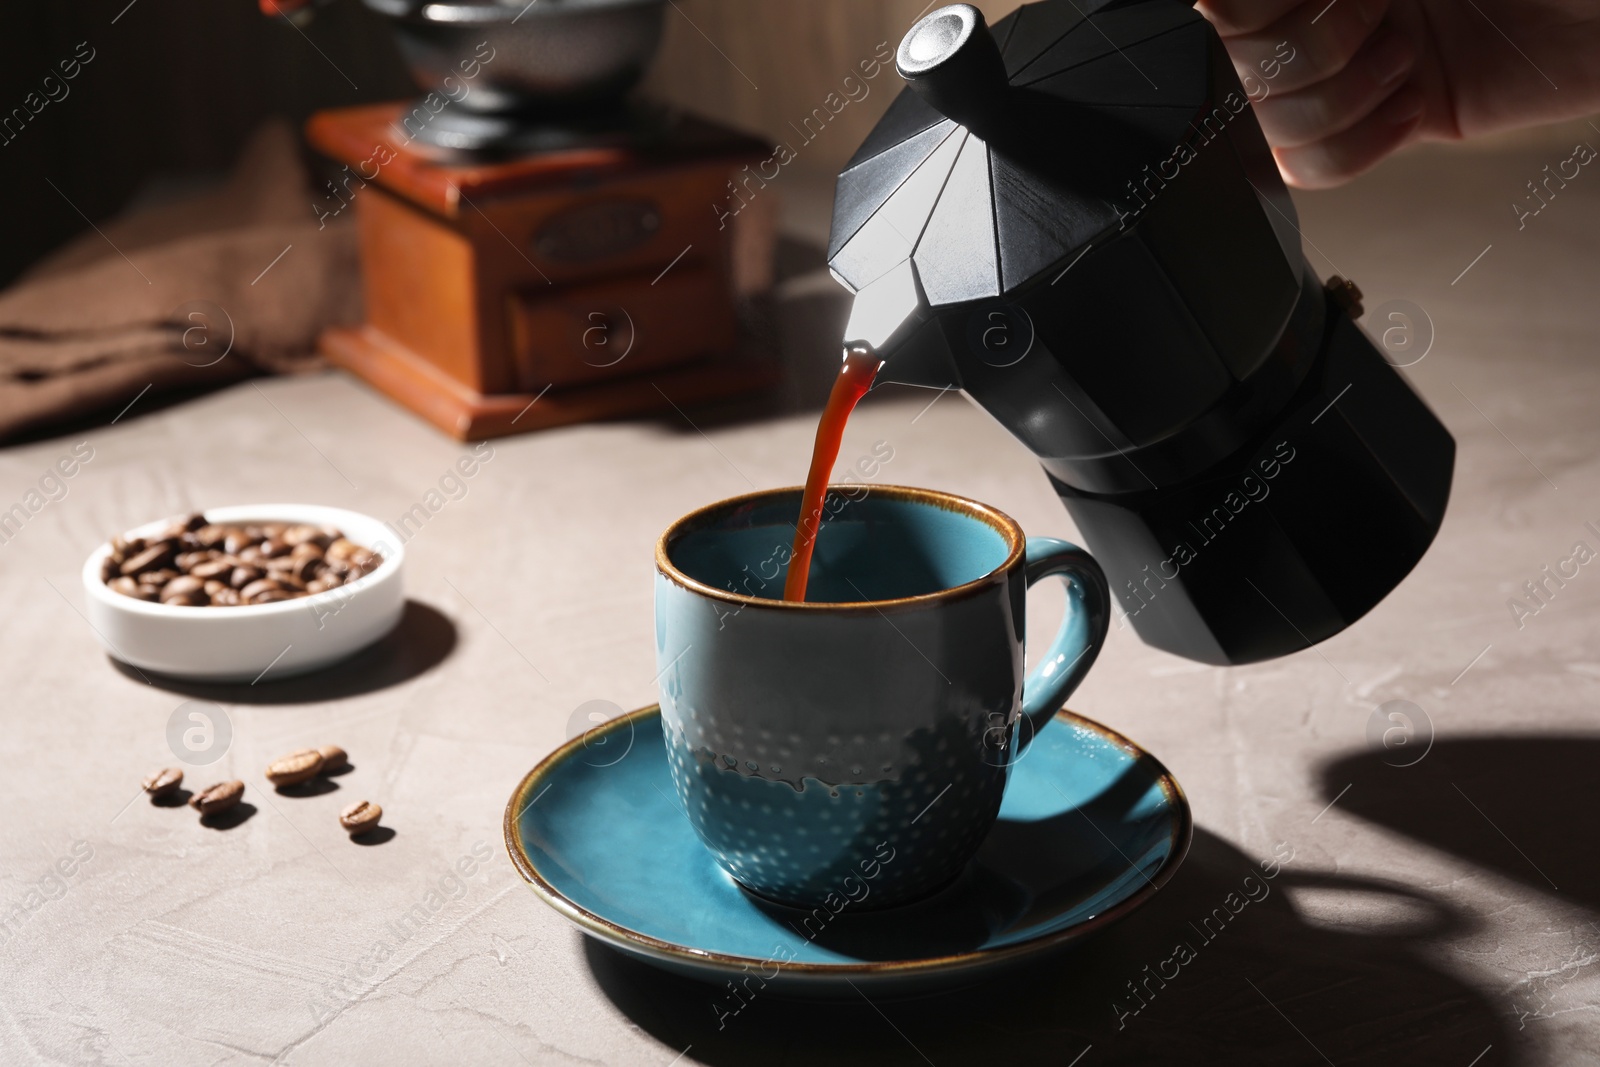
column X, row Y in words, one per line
column 582, row 334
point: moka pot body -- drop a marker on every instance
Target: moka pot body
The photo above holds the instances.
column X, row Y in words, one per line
column 1114, row 272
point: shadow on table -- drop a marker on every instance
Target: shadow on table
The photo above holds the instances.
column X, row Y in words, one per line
column 1269, row 987
column 1521, row 806
column 421, row 641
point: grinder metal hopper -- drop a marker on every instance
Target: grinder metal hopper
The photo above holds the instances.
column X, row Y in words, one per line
column 1074, row 217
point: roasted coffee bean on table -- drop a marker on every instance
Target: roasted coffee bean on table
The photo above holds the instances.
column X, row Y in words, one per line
column 296, row 767
column 334, row 759
column 219, row 797
column 360, row 817
column 194, row 563
column 163, row 782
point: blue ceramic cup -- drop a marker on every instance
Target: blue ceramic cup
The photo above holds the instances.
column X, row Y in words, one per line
column 855, row 747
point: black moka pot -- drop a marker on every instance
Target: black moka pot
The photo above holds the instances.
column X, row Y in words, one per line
column 1075, row 218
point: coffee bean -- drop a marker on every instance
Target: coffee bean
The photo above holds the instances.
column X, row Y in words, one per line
column 163, row 782
column 131, row 587
column 263, row 585
column 195, row 563
column 309, row 535
column 188, row 561
column 243, row 575
column 219, row 797
column 334, row 758
column 186, row 586
column 212, row 535
column 295, row 768
column 360, row 817
column 212, row 568
column 157, row 555
column 342, row 549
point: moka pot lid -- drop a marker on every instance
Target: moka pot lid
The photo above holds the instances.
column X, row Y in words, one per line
column 1014, row 148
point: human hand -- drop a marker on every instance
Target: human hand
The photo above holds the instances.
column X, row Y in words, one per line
column 1368, row 76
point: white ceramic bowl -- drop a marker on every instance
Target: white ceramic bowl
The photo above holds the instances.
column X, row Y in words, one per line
column 259, row 641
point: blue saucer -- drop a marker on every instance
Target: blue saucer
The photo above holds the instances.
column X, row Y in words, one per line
column 1092, row 825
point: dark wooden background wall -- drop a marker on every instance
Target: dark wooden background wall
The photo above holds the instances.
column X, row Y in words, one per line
column 176, row 86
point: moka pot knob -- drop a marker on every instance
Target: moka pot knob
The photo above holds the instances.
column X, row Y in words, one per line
column 951, row 60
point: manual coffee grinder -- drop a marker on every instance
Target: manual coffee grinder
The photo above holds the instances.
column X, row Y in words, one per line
column 536, row 248
column 1075, row 218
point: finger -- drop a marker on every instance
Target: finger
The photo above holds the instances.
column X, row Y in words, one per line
column 1337, row 103
column 1341, row 157
column 1312, row 42
column 1233, row 17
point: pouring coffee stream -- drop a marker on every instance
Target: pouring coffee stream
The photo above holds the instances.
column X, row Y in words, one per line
column 856, row 375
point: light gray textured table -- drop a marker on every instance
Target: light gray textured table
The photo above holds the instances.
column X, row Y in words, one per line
column 1440, row 914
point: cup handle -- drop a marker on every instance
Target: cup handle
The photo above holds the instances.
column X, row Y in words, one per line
column 1080, row 638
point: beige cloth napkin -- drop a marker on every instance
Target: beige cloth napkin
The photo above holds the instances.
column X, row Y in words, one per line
column 218, row 287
